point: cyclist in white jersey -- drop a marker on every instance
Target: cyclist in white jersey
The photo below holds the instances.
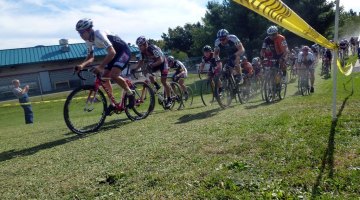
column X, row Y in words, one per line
column 118, row 56
column 306, row 60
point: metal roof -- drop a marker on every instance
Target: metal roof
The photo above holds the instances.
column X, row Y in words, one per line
column 39, row 54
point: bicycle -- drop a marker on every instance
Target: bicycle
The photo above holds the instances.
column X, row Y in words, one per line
column 274, row 86
column 325, row 67
column 176, row 95
column 227, row 88
column 85, row 107
column 304, row 81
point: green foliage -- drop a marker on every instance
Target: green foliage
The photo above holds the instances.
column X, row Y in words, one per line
column 248, row 26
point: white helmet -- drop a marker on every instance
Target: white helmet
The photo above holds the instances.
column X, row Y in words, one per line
column 255, row 60
column 141, row 40
column 84, row 24
column 171, row 58
column 272, row 30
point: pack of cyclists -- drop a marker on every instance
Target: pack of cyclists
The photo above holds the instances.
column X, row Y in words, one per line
column 274, row 49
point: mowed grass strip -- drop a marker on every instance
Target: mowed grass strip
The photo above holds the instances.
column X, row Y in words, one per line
column 286, row 150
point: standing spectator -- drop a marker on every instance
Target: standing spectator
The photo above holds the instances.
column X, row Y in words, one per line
column 23, row 96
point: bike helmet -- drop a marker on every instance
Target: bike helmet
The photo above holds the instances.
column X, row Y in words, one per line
column 207, row 48
column 222, row 33
column 84, row 24
column 141, row 40
column 305, row 48
column 170, row 58
column 272, row 30
column 255, row 60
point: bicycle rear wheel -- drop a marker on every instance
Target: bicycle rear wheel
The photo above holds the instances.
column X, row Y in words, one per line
column 84, row 110
column 144, row 101
column 207, row 92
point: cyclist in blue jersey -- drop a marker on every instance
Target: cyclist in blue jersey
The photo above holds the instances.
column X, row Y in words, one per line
column 233, row 49
column 157, row 62
column 118, row 56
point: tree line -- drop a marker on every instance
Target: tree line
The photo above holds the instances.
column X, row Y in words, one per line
column 250, row 28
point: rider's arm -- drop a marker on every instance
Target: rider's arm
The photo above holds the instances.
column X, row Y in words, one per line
column 159, row 61
column 201, row 66
column 110, row 55
column 240, row 51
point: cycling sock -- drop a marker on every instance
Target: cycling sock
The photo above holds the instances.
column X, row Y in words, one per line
column 157, row 86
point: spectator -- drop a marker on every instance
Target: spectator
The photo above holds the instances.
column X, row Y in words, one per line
column 22, row 95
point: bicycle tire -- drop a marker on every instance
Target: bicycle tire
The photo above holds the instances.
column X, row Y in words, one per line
column 188, row 101
column 74, row 111
column 207, row 92
column 269, row 91
column 283, row 89
column 144, row 101
column 224, row 92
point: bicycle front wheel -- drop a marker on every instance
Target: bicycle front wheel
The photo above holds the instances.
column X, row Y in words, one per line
column 188, row 98
column 207, row 92
column 176, row 96
column 144, row 101
column 84, row 110
column 224, row 91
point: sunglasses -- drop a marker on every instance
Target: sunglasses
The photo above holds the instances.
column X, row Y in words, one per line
column 82, row 32
column 222, row 39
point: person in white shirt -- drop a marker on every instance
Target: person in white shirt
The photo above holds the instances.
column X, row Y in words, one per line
column 306, row 63
column 22, row 95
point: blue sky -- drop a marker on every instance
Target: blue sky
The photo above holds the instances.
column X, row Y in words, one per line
column 26, row 23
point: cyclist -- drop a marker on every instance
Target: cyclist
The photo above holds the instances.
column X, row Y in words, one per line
column 248, row 72
column 306, row 62
column 118, row 56
column 158, row 62
column 233, row 49
column 327, row 57
column 278, row 47
column 209, row 59
column 344, row 46
column 256, row 64
column 180, row 73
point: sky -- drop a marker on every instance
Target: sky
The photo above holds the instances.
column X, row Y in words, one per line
column 27, row 23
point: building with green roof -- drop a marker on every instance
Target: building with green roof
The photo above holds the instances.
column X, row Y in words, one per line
column 45, row 69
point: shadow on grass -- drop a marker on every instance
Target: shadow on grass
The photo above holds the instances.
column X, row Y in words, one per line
column 328, row 158
column 197, row 116
column 8, row 155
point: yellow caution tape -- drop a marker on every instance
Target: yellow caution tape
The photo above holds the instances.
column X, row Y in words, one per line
column 279, row 13
column 347, row 69
column 30, row 103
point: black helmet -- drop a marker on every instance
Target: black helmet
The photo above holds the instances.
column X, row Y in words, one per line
column 207, row 48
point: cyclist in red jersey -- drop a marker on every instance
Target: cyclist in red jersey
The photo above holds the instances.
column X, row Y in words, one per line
column 278, row 46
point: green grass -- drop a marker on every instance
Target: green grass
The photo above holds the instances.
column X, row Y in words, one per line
column 286, row 150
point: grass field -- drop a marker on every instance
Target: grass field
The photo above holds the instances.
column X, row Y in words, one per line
column 285, row 150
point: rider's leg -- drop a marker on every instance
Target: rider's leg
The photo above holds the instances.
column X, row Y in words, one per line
column 182, row 85
column 115, row 75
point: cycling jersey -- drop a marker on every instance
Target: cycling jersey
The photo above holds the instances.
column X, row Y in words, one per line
column 106, row 39
column 151, row 54
column 248, row 69
column 277, row 46
column 179, row 67
column 328, row 54
column 210, row 61
column 343, row 45
column 307, row 60
column 230, row 48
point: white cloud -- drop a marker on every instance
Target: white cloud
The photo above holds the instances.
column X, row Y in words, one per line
column 43, row 22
